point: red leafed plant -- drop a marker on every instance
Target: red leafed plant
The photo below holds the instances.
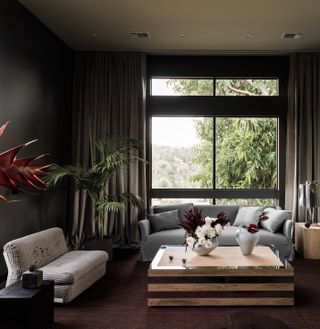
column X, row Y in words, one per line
column 15, row 173
column 191, row 220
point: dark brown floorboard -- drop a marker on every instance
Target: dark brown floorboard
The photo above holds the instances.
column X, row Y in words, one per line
column 119, row 301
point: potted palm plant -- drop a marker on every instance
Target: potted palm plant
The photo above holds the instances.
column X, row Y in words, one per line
column 113, row 154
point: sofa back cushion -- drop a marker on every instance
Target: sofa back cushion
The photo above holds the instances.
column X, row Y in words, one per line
column 164, row 221
column 214, row 210
column 248, row 215
column 39, row 249
column 275, row 220
column 182, row 208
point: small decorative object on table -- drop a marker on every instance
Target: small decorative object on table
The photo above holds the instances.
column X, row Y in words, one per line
column 247, row 238
column 33, row 278
column 202, row 233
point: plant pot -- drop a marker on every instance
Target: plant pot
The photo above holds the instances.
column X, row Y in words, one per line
column 105, row 245
column 246, row 240
column 202, row 250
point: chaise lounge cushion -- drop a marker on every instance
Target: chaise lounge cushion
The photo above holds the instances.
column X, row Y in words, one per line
column 73, row 266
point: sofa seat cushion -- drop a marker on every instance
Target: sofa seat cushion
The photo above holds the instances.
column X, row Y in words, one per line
column 72, row 266
column 228, row 237
column 176, row 236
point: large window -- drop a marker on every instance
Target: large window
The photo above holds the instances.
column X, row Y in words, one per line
column 211, row 144
column 214, row 153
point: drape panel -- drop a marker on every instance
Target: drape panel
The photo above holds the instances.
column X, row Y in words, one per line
column 109, row 100
column 303, row 125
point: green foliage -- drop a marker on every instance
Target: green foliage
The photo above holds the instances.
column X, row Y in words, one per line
column 224, row 87
column 113, row 155
column 192, row 87
column 246, row 153
column 246, row 87
column 173, row 167
column 245, row 147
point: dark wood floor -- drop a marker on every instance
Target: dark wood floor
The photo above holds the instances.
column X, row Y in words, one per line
column 119, row 301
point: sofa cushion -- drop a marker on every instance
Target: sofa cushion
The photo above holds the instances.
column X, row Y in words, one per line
column 74, row 265
column 275, row 220
column 164, row 221
column 248, row 215
column 214, row 210
column 182, row 208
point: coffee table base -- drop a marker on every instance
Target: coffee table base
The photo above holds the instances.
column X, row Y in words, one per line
column 220, row 302
column 219, row 286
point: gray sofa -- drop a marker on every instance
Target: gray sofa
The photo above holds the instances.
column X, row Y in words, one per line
column 151, row 242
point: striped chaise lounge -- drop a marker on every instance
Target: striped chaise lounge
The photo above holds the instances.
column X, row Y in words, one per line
column 72, row 271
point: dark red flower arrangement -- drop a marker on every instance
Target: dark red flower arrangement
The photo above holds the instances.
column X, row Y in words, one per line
column 193, row 218
column 253, row 228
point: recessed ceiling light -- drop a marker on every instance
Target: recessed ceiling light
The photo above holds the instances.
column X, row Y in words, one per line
column 136, row 35
column 291, row 36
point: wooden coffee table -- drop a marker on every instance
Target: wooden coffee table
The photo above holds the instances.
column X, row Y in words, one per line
column 223, row 278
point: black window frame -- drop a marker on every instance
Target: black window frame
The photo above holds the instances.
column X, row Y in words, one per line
column 220, row 67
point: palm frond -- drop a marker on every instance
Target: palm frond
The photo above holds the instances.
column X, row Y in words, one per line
column 110, row 206
column 57, row 173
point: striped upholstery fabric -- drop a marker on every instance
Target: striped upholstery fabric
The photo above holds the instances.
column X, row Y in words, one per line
column 74, row 265
column 72, row 271
column 66, row 293
column 39, row 249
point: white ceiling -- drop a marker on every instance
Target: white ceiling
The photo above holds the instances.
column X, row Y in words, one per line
column 208, row 26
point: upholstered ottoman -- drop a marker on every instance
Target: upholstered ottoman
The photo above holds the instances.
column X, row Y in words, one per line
column 71, row 271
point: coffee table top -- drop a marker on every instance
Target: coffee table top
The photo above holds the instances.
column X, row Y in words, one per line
column 228, row 257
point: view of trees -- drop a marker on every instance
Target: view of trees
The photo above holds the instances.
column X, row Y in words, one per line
column 245, row 153
column 173, row 167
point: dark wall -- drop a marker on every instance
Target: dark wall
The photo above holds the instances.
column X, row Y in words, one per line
column 35, row 96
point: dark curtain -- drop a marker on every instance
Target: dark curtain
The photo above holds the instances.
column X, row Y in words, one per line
column 109, row 100
column 303, row 124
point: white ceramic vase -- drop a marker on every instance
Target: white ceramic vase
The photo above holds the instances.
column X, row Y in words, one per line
column 246, row 240
column 202, row 250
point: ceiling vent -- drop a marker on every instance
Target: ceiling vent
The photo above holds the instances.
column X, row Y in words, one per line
column 291, row 35
column 136, row 35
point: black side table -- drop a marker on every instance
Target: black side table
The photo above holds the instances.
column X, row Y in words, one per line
column 27, row 308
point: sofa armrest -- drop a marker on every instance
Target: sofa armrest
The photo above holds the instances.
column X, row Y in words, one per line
column 144, row 229
column 287, row 229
